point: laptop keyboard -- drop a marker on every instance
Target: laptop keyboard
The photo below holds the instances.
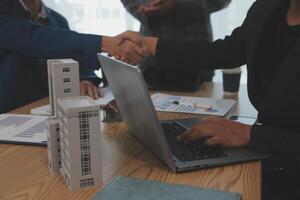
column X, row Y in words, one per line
column 190, row 152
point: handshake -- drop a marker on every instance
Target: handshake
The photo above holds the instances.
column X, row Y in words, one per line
column 129, row 47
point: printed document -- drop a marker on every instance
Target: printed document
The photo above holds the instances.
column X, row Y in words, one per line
column 23, row 129
column 192, row 105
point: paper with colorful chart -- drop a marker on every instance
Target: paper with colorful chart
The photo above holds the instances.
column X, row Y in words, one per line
column 192, row 105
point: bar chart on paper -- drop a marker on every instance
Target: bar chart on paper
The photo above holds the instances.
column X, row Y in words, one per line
column 193, row 105
column 23, row 129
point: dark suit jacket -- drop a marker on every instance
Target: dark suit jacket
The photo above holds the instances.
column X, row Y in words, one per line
column 190, row 20
column 278, row 131
column 23, row 43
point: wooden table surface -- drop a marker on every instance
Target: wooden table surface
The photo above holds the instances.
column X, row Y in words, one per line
column 24, row 173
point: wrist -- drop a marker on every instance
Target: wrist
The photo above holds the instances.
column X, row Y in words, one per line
column 106, row 44
column 151, row 44
column 248, row 134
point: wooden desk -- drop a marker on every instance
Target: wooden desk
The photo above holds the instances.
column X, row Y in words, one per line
column 24, row 173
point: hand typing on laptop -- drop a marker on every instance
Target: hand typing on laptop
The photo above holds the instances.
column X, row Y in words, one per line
column 219, row 131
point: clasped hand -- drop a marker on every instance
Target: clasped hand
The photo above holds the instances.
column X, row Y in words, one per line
column 129, row 47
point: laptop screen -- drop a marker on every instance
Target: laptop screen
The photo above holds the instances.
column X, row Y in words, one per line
column 133, row 99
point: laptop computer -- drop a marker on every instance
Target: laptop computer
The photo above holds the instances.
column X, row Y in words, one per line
column 135, row 104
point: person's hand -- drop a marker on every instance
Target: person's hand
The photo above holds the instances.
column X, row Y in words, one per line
column 87, row 88
column 218, row 131
column 129, row 51
column 148, row 44
column 157, row 7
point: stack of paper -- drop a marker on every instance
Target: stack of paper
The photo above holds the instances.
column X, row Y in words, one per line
column 192, row 105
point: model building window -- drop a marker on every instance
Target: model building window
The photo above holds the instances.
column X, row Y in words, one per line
column 86, row 168
column 67, row 80
column 86, row 183
column 66, row 69
column 67, row 90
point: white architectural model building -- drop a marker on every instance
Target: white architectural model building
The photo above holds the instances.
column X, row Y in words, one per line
column 53, row 145
column 80, row 142
column 63, row 79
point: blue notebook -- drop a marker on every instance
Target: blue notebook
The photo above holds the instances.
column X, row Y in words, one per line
column 124, row 188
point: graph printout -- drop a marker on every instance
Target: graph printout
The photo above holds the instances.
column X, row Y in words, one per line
column 192, row 105
column 23, row 129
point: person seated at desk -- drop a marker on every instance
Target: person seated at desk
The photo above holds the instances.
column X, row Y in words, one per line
column 175, row 19
column 269, row 43
column 30, row 33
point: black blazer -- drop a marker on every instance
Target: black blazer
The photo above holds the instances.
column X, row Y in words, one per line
column 279, row 107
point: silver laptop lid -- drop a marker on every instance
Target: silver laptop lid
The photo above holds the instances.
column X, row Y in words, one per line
column 133, row 99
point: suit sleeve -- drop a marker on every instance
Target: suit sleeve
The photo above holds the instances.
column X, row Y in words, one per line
column 59, row 20
column 221, row 54
column 86, row 72
column 281, row 143
column 30, row 39
column 90, row 76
